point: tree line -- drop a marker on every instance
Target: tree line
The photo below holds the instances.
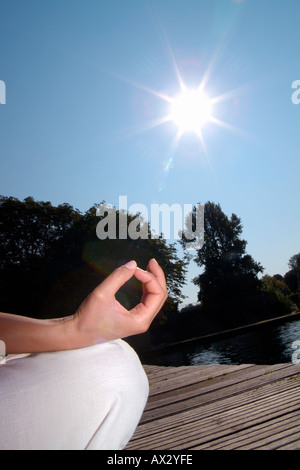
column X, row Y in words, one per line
column 51, row 259
column 229, row 272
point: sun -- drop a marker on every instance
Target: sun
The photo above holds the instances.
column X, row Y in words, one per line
column 190, row 110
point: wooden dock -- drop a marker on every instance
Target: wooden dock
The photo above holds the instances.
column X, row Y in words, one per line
column 221, row 407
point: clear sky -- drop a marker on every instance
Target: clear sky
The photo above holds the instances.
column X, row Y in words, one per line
column 86, row 87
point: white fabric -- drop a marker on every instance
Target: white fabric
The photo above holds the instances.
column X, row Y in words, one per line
column 90, row 398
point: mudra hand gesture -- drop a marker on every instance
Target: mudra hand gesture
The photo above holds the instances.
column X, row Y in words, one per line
column 102, row 318
column 99, row 318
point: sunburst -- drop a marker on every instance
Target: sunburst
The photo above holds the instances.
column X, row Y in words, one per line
column 190, row 110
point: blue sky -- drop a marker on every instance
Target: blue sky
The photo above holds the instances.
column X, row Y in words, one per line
column 84, row 85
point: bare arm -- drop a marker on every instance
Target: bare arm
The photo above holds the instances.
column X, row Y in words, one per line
column 99, row 318
column 23, row 335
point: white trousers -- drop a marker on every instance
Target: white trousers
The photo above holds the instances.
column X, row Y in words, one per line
column 90, row 398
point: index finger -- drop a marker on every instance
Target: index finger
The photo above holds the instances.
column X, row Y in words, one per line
column 155, row 268
column 117, row 279
column 154, row 294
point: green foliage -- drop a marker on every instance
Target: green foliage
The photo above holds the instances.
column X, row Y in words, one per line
column 51, row 258
column 28, row 228
column 292, row 278
column 228, row 271
column 278, row 294
column 294, row 262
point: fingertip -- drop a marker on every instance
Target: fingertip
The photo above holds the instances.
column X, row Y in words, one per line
column 141, row 273
column 154, row 266
column 131, row 264
column 157, row 270
column 152, row 262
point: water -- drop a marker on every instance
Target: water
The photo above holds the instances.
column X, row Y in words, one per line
column 265, row 345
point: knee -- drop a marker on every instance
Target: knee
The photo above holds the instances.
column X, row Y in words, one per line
column 125, row 392
column 128, row 380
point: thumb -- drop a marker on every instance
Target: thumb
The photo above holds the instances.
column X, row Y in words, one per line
column 118, row 278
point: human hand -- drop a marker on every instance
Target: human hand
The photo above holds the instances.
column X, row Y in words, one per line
column 102, row 318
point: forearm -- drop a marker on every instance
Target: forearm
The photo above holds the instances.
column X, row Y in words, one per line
column 99, row 318
column 28, row 335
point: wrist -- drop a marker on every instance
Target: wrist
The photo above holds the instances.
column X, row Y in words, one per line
column 74, row 337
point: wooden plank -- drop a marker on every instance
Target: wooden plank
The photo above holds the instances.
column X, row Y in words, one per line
column 249, row 435
column 194, row 430
column 207, row 410
column 254, row 435
column 221, row 407
column 195, row 378
column 191, row 376
column 211, row 390
column 272, row 442
column 160, row 373
column 295, row 445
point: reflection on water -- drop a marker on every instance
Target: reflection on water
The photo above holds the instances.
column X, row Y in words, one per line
column 264, row 345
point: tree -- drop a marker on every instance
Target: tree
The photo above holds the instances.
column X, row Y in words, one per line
column 294, row 262
column 28, row 230
column 228, row 271
column 51, row 258
column 85, row 255
column 277, row 293
column 292, row 277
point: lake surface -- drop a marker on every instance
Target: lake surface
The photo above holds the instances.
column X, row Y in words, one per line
column 264, row 345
